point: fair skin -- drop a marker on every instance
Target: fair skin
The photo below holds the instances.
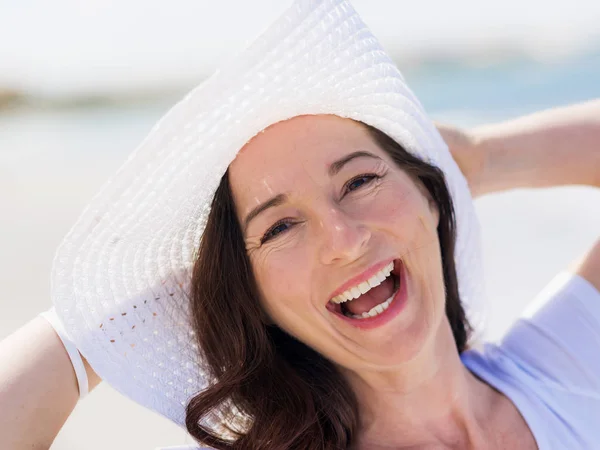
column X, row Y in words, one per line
column 38, row 389
column 554, row 147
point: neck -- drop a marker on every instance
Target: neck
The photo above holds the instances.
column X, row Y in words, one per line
column 432, row 399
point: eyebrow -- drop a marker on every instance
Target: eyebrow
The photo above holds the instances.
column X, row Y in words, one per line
column 280, row 199
column 336, row 166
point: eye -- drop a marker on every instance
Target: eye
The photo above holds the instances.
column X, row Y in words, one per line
column 359, row 181
column 279, row 227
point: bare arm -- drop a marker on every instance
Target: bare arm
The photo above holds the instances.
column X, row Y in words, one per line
column 555, row 147
column 38, row 388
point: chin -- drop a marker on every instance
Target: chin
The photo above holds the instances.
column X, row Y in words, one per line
column 396, row 347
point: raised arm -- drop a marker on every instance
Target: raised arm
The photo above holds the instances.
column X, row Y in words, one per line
column 38, row 388
column 558, row 146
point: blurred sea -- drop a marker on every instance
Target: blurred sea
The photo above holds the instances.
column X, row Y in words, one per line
column 469, row 94
column 54, row 158
column 456, row 91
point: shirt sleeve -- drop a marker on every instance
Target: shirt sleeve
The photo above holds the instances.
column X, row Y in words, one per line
column 557, row 339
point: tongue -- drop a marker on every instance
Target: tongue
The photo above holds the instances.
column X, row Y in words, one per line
column 373, row 297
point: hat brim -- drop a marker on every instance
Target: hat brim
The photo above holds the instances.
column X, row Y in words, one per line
column 121, row 276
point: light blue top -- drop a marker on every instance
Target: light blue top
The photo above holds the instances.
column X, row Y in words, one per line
column 548, row 364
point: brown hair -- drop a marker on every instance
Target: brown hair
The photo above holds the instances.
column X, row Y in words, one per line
column 269, row 391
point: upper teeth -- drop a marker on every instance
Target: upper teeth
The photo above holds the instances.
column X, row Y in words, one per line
column 365, row 286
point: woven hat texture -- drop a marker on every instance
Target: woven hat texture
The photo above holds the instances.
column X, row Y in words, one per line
column 121, row 276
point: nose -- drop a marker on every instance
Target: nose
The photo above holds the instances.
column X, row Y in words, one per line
column 341, row 237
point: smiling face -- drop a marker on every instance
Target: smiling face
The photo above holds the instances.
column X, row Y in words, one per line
column 327, row 215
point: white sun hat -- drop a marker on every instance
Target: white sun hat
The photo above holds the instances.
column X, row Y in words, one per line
column 121, row 276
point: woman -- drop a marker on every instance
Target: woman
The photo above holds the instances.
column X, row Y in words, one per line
column 392, row 353
column 343, row 320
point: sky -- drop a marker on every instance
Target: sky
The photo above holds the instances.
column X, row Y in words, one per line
column 66, row 47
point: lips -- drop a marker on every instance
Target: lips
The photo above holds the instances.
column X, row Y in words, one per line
column 373, row 301
column 396, row 304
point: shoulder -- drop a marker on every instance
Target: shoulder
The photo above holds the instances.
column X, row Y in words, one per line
column 548, row 363
column 556, row 342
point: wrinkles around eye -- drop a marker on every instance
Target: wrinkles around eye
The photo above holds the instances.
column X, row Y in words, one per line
column 278, row 229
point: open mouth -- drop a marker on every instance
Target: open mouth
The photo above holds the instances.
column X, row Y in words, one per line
column 370, row 298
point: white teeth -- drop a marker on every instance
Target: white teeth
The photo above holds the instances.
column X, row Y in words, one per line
column 375, row 281
column 365, row 286
column 375, row 310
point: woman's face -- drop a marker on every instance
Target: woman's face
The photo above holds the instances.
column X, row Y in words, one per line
column 323, row 210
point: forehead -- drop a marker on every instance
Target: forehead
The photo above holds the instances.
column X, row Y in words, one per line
column 310, row 132
column 289, row 155
column 303, row 143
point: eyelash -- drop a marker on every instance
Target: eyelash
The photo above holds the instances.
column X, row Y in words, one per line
column 371, row 177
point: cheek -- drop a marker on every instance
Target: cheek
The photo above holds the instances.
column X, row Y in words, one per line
column 283, row 283
column 395, row 208
column 404, row 213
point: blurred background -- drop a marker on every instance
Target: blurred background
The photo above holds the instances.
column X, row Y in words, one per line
column 82, row 82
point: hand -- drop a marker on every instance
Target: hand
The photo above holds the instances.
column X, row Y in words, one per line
column 467, row 154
